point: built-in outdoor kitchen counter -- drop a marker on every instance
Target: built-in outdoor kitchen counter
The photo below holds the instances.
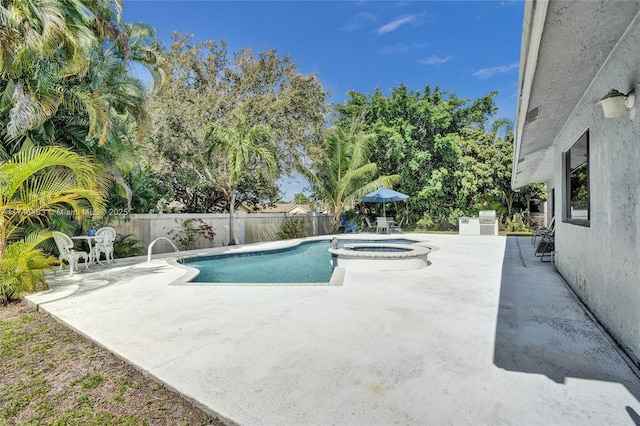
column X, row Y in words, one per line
column 486, row 223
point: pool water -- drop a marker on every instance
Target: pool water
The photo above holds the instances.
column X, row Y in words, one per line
column 379, row 249
column 309, row 262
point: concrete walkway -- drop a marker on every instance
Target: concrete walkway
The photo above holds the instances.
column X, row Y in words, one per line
column 487, row 334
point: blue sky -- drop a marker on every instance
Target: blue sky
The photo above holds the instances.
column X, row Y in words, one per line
column 470, row 47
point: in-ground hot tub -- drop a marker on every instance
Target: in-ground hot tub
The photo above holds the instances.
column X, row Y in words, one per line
column 381, row 256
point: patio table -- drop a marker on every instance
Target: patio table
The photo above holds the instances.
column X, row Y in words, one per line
column 89, row 239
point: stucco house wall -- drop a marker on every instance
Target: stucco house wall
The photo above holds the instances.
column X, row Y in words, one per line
column 602, row 262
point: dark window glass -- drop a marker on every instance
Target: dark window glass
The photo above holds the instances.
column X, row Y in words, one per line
column 577, row 181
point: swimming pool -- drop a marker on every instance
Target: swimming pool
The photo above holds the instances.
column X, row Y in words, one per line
column 308, row 262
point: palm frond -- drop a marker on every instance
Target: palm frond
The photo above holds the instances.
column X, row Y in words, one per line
column 22, row 266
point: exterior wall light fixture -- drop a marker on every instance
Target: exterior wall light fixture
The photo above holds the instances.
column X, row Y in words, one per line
column 615, row 103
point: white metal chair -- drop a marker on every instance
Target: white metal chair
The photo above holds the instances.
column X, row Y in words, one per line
column 65, row 247
column 104, row 244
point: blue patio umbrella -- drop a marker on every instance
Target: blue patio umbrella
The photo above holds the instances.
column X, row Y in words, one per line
column 384, row 195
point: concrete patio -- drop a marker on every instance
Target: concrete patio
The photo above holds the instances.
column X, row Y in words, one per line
column 487, row 334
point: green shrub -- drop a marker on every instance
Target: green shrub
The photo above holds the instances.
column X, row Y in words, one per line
column 518, row 222
column 126, row 246
column 22, row 267
column 186, row 236
column 292, row 228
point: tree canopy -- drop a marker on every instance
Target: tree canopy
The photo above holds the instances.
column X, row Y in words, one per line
column 205, row 85
column 65, row 80
column 64, row 73
column 448, row 164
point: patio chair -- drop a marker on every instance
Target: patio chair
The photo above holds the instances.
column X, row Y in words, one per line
column 398, row 227
column 65, row 247
column 368, row 227
column 546, row 247
column 104, row 244
column 382, row 225
column 349, row 225
column 542, row 231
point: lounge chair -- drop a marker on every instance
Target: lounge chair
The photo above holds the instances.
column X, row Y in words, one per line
column 368, row 225
column 349, row 225
column 104, row 244
column 65, row 247
column 546, row 247
column 398, row 227
column 542, row 231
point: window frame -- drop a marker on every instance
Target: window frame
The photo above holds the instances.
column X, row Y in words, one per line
column 584, row 138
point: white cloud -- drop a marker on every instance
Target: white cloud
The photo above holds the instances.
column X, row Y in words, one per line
column 394, row 25
column 359, row 21
column 401, row 48
column 490, row 72
column 436, row 60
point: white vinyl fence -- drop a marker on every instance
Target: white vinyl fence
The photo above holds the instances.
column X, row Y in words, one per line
column 250, row 228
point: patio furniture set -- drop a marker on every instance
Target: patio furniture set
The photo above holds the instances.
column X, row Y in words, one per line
column 100, row 242
column 385, row 225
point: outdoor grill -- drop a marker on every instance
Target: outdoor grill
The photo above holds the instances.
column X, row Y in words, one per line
column 485, row 223
column 487, row 217
column 488, row 223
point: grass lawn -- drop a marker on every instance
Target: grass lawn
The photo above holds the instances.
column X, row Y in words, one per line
column 51, row 375
column 515, row 233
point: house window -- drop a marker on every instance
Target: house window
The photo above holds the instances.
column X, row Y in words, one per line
column 577, row 182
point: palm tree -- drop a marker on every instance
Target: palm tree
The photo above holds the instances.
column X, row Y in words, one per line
column 36, row 183
column 500, row 127
column 42, row 43
column 22, row 266
column 72, row 57
column 244, row 148
column 345, row 173
column 65, row 80
column 142, row 47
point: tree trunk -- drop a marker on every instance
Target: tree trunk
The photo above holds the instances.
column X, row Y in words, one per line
column 3, row 234
column 232, row 205
column 510, row 205
column 335, row 224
